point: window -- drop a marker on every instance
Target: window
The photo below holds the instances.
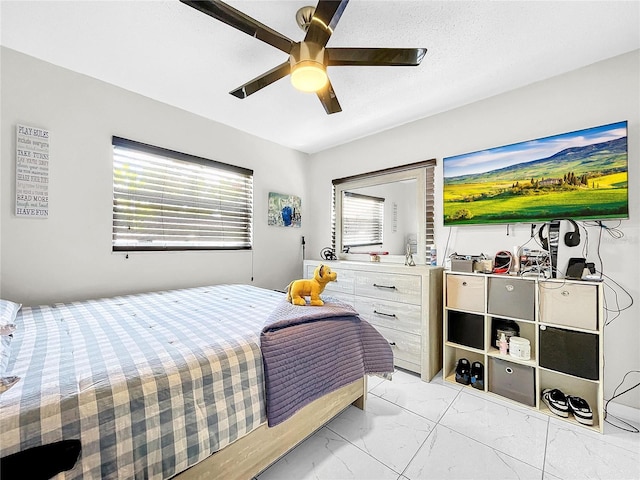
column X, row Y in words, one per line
column 363, row 218
column 166, row 200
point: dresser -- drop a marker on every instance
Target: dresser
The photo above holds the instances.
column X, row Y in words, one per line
column 403, row 303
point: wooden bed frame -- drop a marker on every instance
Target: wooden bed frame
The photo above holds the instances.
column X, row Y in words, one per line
column 248, row 456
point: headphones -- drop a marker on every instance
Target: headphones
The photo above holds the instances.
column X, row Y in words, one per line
column 571, row 239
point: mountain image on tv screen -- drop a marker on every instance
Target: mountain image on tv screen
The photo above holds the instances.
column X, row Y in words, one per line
column 579, row 175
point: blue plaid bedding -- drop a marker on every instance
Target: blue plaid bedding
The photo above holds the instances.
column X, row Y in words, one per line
column 151, row 383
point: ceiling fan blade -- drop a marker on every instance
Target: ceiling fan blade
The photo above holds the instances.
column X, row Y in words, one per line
column 236, row 19
column 262, row 81
column 328, row 99
column 375, row 56
column 324, row 21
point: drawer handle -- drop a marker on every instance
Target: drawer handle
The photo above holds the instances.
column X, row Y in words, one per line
column 565, row 293
column 392, row 287
column 393, row 344
column 464, row 284
column 393, row 315
column 509, row 370
column 509, row 288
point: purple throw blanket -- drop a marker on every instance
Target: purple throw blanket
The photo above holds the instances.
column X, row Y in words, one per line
column 311, row 351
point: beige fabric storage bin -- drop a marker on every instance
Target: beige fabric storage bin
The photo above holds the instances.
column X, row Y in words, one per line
column 570, row 304
column 465, row 292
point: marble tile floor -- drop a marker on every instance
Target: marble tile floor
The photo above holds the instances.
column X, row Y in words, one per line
column 414, row 430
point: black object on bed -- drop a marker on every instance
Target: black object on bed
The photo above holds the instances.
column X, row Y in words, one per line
column 41, row 462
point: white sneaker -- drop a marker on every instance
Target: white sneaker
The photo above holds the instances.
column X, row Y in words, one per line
column 581, row 410
column 556, row 401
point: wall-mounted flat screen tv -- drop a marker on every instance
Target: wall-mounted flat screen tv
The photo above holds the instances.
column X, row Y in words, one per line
column 579, row 175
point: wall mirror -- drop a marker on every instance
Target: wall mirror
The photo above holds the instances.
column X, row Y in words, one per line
column 385, row 211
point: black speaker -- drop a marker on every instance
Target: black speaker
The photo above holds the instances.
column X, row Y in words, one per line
column 568, row 351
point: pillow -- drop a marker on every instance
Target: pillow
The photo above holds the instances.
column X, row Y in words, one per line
column 8, row 313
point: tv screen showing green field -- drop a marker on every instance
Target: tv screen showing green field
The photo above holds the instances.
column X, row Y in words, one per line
column 579, row 175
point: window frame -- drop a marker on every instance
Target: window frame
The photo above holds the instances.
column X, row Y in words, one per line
column 172, row 155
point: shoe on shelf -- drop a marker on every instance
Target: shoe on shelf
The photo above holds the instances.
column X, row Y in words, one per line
column 463, row 374
column 580, row 409
column 556, row 401
column 477, row 375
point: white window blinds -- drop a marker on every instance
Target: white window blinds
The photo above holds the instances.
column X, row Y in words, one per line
column 166, row 200
column 363, row 219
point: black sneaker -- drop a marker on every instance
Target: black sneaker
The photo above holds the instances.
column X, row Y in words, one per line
column 477, row 375
column 581, row 410
column 463, row 374
column 556, row 401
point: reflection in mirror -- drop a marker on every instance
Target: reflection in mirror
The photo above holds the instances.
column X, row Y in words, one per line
column 389, row 212
column 381, row 217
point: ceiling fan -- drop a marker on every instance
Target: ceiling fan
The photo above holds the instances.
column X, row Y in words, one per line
column 308, row 59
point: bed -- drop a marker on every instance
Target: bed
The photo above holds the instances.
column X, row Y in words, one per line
column 172, row 384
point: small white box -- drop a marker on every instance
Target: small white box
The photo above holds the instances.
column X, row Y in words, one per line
column 520, row 348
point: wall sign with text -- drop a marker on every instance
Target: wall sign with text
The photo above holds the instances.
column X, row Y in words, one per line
column 32, row 172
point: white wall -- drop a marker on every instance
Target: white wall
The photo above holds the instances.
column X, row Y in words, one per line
column 68, row 255
column 599, row 94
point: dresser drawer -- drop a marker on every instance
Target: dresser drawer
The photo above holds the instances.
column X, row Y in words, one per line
column 389, row 286
column 465, row 292
column 395, row 315
column 573, row 305
column 405, row 346
column 344, row 283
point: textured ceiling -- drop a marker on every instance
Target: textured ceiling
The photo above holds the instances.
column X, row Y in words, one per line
column 170, row 52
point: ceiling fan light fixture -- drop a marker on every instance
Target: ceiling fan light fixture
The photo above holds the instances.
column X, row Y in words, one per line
column 308, row 70
column 309, row 76
column 308, row 59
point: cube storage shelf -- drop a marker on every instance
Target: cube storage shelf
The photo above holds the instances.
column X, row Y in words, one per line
column 562, row 319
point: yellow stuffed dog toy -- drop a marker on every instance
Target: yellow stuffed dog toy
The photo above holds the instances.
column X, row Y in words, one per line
column 299, row 289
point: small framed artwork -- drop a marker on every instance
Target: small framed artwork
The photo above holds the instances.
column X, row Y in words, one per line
column 284, row 210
